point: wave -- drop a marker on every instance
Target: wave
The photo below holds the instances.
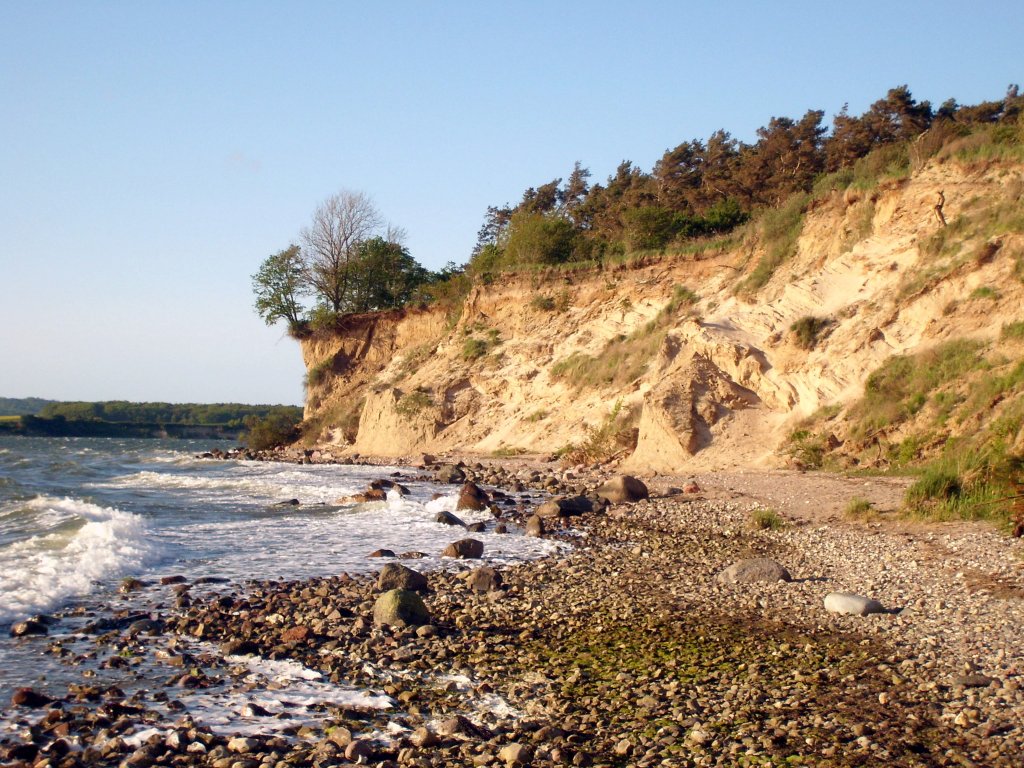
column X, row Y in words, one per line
column 77, row 545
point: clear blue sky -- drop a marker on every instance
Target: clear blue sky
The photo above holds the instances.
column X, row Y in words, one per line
column 153, row 153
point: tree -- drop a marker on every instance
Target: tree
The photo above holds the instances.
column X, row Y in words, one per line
column 278, row 285
column 340, row 225
column 385, row 276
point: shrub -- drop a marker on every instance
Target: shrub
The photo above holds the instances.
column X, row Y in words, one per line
column 808, row 330
column 538, row 239
column 984, row 292
column 542, row 303
column 319, row 373
column 473, row 348
column 616, row 434
column 807, row 449
column 271, row 431
column 767, row 520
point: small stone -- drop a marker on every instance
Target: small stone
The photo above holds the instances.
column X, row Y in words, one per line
column 242, row 745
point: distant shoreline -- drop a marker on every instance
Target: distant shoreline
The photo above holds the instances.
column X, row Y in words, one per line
column 35, row 426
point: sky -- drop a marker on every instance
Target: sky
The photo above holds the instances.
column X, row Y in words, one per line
column 152, row 154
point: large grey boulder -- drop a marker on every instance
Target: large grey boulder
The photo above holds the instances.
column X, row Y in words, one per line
column 754, row 569
column 401, row 608
column 398, row 576
column 623, row 489
column 852, row 605
column 469, row 549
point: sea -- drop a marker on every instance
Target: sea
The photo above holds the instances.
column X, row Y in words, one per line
column 79, row 515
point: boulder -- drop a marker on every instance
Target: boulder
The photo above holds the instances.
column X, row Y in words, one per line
column 516, row 754
column 535, row 526
column 476, row 527
column 447, row 518
column 565, row 506
column 755, row 569
column 852, row 605
column 398, row 576
column 239, row 648
column 484, row 579
column 400, row 607
column 382, row 553
column 472, row 496
column 469, row 549
column 298, row 634
column 26, row 697
column 623, row 489
column 29, row 627
column 450, row 473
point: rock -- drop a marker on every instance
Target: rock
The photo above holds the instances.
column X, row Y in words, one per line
column 754, row 569
column 287, row 503
column 450, row 473
column 27, row 697
column 472, row 496
column 447, row 518
column 371, row 494
column 239, row 648
column 565, row 506
column 166, row 580
column 623, row 489
column 398, row 576
column 535, row 526
column 359, row 750
column 242, row 745
column 974, row 680
column 297, row 634
column 691, row 487
column 852, row 605
column 28, row 627
column 476, row 527
column 484, row 579
column 469, row 549
column 516, row 753
column 423, row 461
column 131, row 585
column 382, row 553
column 400, row 607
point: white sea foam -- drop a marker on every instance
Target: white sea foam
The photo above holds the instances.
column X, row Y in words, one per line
column 288, row 691
column 85, row 543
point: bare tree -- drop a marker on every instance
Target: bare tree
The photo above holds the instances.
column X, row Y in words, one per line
column 341, row 223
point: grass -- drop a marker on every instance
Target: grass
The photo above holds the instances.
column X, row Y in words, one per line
column 808, row 330
column 624, row 359
column 536, row 416
column 506, row 452
column 859, row 509
column 767, row 520
column 984, row 292
column 319, row 373
column 1012, row 331
column 780, row 230
column 542, row 303
column 903, row 384
column 414, row 403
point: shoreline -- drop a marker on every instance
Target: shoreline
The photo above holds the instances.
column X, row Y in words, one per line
column 629, row 651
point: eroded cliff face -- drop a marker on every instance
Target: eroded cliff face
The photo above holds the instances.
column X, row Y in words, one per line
column 724, row 378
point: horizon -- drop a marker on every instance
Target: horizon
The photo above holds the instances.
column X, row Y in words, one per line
column 141, row 197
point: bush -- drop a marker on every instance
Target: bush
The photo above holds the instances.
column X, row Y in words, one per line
column 542, row 303
column 474, row 348
column 767, row 520
column 318, row 374
column 271, row 431
column 808, row 330
column 1013, row 331
column 617, row 434
column 538, row 239
column 859, row 509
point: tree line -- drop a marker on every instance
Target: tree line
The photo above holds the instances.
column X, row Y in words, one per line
column 192, row 414
column 348, row 260
column 707, row 187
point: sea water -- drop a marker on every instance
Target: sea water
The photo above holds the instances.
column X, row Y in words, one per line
column 78, row 515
